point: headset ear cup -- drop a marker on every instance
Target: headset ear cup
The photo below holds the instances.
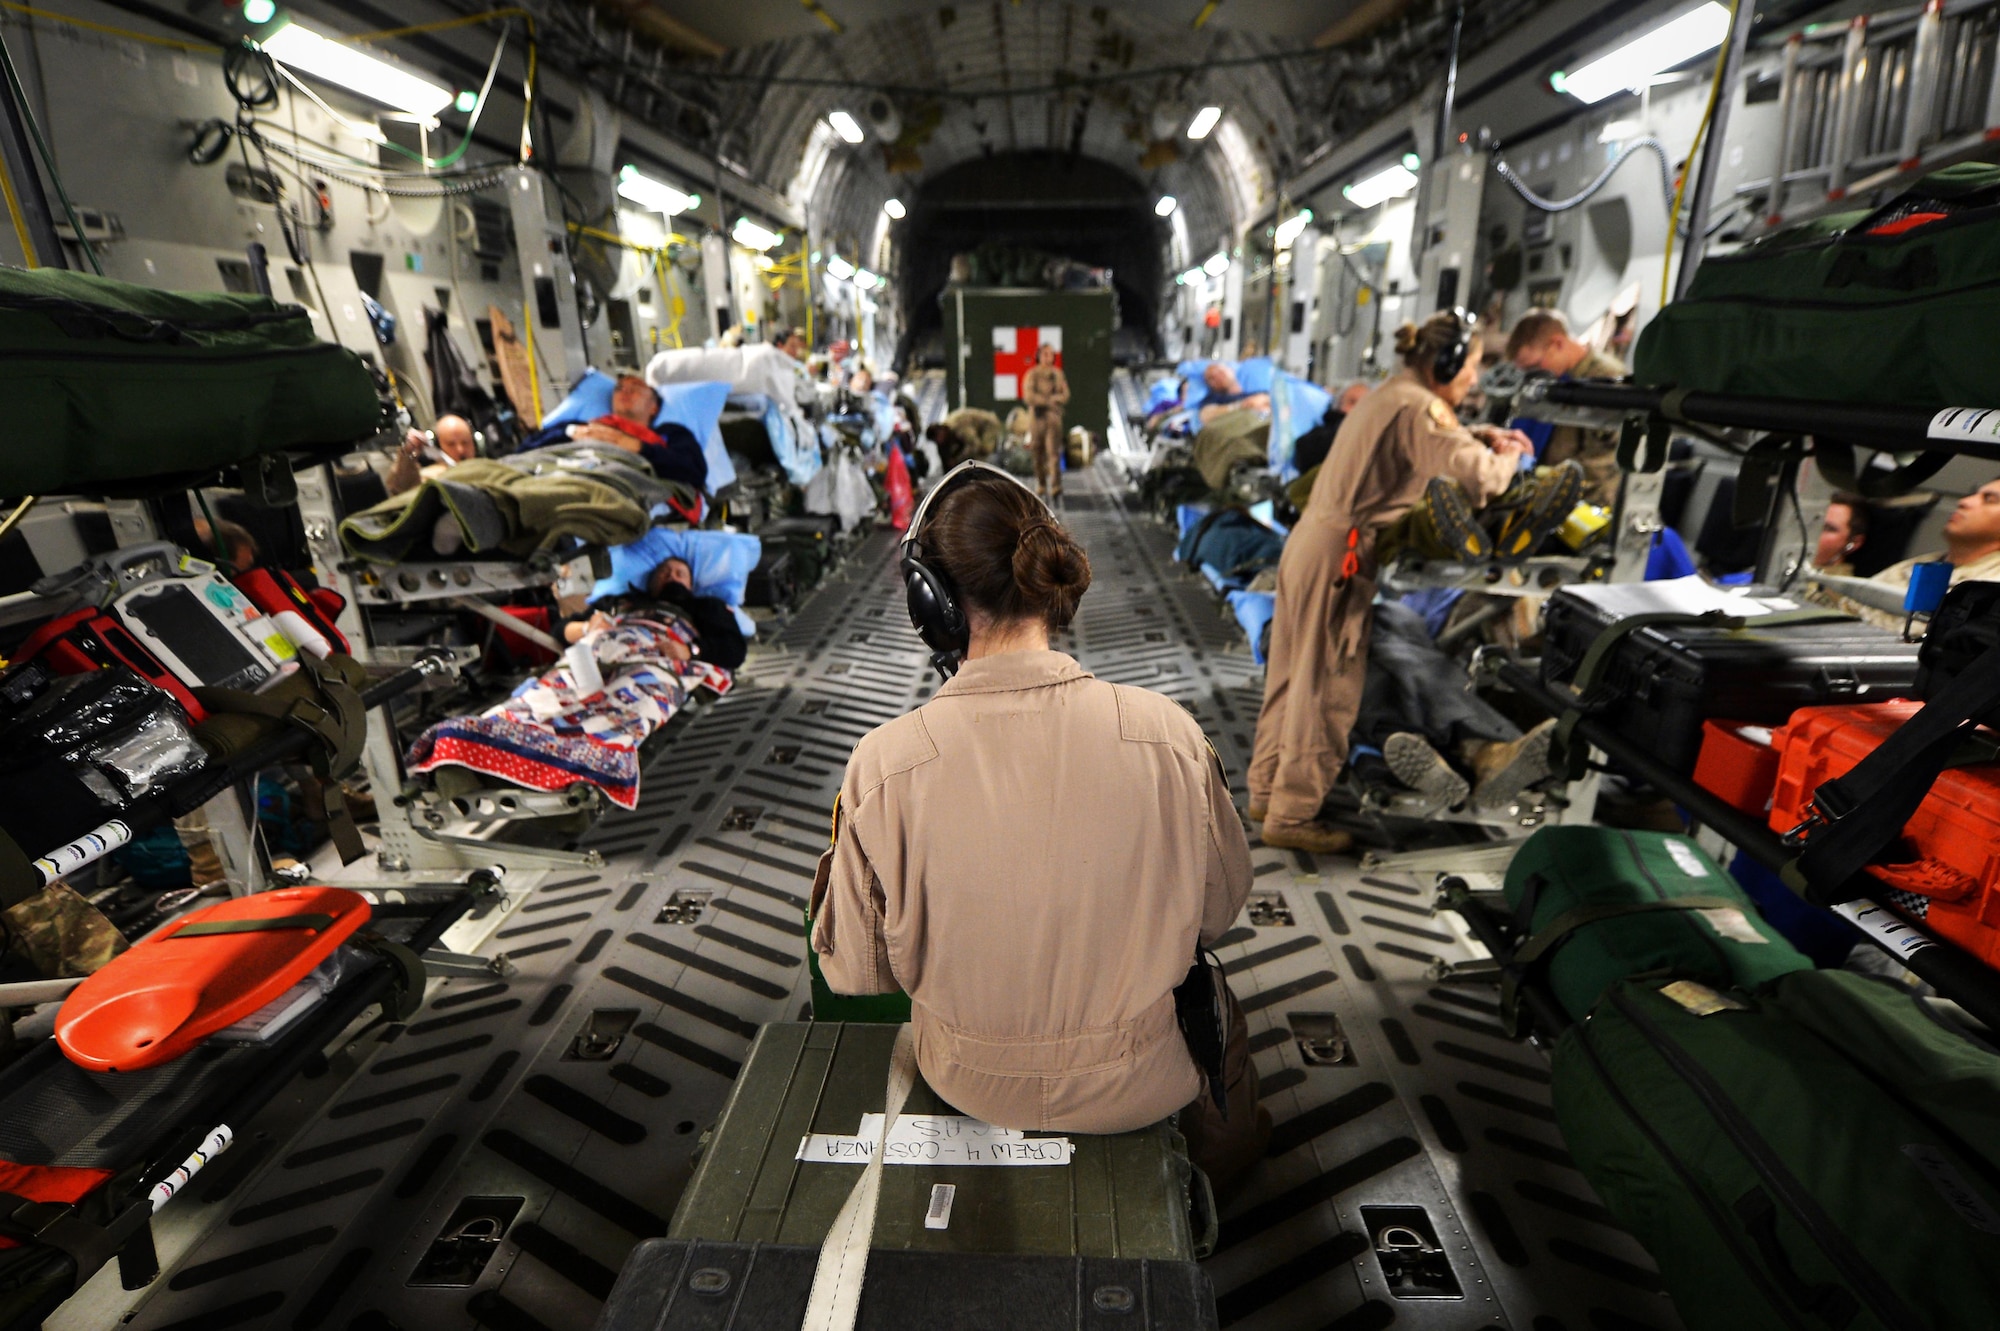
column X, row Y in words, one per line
column 934, row 609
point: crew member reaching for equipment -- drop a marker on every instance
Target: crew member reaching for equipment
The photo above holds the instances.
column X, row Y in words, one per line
column 672, row 450
column 1397, row 440
column 1034, row 854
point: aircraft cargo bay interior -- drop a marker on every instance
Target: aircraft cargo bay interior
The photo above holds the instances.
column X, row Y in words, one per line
column 1006, row 666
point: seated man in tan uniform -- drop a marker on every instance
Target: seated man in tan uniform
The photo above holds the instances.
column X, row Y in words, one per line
column 1034, row 854
column 1971, row 547
column 1541, row 341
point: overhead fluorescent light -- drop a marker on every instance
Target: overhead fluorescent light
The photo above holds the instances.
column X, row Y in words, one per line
column 866, row 280
column 1204, row 121
column 1290, row 229
column 751, row 236
column 1217, row 265
column 845, row 125
column 1633, row 64
column 1391, row 182
column 1165, row 207
column 895, row 208
column 1193, row 276
column 353, row 69
column 838, row 267
column 653, row 194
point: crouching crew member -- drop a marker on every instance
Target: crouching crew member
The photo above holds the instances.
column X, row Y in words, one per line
column 1034, row 854
column 1396, row 440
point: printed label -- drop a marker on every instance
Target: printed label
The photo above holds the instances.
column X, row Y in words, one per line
column 1701, row 1000
column 1951, row 1185
column 939, row 1216
column 1732, row 924
column 1883, row 925
column 1686, row 859
column 1981, row 423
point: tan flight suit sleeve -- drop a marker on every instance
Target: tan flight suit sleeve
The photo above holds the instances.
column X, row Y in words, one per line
column 847, row 909
column 1229, row 876
column 1058, row 388
column 1441, row 446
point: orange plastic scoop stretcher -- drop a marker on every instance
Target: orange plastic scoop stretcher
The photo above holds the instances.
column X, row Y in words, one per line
column 207, row 971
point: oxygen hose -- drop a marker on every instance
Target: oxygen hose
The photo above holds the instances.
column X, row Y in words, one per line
column 1534, row 200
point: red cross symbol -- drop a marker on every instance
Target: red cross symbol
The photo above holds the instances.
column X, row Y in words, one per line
column 1014, row 352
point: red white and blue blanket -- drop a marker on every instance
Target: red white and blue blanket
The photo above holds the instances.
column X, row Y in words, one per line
column 549, row 735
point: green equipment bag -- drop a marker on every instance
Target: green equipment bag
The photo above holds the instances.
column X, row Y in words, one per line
column 1821, row 1156
column 108, row 384
column 1887, row 308
column 1597, row 905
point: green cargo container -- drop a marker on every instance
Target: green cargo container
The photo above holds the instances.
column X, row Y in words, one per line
column 989, row 339
column 1120, row 1196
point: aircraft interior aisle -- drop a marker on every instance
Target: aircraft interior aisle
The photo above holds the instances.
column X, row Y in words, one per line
column 567, row 1101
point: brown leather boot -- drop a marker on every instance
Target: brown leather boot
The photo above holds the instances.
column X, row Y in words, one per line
column 1503, row 771
column 1316, row 838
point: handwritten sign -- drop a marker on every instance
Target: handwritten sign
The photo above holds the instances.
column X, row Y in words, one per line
column 935, row 1139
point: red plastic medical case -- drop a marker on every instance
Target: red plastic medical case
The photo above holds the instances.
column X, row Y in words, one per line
column 1951, row 851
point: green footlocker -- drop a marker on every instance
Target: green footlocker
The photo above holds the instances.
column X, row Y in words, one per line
column 1119, row 1196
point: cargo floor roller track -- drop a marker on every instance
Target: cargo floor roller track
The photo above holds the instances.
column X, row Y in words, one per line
column 494, row 1107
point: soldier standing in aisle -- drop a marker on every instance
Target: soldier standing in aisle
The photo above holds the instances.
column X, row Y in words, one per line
column 1046, row 390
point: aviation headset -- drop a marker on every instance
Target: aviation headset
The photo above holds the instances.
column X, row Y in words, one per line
column 935, row 610
column 1451, row 359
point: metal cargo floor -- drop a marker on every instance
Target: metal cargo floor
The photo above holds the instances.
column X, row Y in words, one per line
column 320, row 1215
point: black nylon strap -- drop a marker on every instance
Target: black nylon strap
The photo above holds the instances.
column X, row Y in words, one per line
column 1564, row 926
column 1836, row 463
column 1866, row 809
column 268, row 925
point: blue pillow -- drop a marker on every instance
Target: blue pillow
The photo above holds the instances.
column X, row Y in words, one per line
column 696, row 407
column 721, row 562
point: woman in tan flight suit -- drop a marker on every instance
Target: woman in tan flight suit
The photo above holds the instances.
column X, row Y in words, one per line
column 1034, row 854
column 1046, row 391
column 1388, row 449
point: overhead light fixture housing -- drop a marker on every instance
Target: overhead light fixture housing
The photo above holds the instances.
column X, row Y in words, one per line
column 1634, row 64
column 1290, row 229
column 1165, row 207
column 1192, row 277
column 837, row 267
column 866, row 280
column 895, row 208
column 846, row 126
column 1391, row 182
column 1204, row 121
column 751, row 236
column 357, row 71
column 652, row 194
column 1217, row 265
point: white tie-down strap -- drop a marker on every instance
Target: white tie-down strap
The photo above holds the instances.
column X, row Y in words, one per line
column 843, row 1258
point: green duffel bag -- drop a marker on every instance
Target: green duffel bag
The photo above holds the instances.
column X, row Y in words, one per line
column 1821, row 1156
column 109, row 384
column 1598, row 905
column 1888, row 308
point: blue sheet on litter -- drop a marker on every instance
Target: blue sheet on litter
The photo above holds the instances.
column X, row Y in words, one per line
column 1187, row 515
column 1253, row 610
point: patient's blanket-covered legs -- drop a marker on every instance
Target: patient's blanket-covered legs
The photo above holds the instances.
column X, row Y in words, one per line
column 551, row 734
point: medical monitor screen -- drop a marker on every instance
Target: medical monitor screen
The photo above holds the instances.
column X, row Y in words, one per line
column 185, row 627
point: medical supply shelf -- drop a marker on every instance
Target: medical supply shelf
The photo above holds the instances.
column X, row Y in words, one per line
column 1955, row 973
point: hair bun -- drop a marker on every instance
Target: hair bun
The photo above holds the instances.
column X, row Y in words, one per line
column 1407, row 339
column 1051, row 570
